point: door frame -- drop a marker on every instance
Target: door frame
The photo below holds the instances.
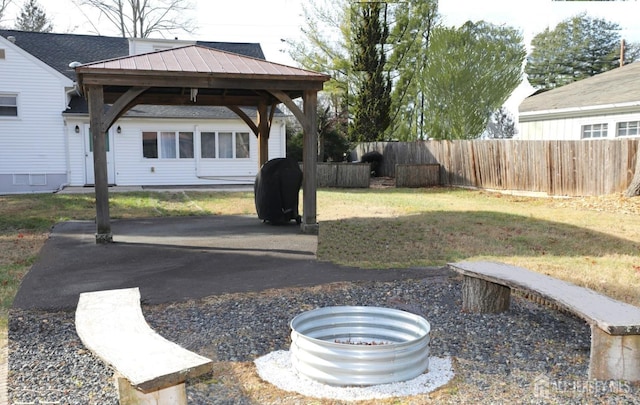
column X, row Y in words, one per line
column 89, row 175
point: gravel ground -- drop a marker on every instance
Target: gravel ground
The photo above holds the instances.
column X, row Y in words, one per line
column 531, row 354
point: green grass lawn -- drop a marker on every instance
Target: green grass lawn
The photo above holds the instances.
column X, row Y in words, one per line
column 593, row 242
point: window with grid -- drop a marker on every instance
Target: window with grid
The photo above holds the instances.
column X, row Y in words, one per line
column 594, row 131
column 167, row 145
column 628, row 128
column 8, row 105
column 225, row 145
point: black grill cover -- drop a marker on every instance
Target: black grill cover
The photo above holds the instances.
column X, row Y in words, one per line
column 276, row 191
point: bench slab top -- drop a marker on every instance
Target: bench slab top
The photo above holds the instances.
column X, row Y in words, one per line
column 111, row 324
column 613, row 317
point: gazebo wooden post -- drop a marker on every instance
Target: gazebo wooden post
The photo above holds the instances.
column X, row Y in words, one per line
column 95, row 96
column 310, row 161
column 263, row 134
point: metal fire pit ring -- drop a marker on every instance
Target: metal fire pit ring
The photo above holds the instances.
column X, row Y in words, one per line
column 359, row 345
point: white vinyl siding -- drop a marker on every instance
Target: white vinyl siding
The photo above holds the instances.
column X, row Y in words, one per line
column 571, row 128
column 134, row 169
column 33, row 144
column 40, row 150
column 145, row 45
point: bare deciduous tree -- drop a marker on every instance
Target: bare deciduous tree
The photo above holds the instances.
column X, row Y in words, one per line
column 3, row 7
column 141, row 18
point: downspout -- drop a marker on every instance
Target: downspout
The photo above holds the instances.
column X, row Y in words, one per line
column 67, row 151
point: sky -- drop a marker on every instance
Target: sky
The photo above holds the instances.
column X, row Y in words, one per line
column 270, row 21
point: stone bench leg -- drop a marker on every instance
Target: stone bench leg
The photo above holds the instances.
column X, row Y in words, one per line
column 614, row 357
column 480, row 296
column 129, row 395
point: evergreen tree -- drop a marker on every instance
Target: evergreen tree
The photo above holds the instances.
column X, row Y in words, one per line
column 576, row 48
column 372, row 102
column 33, row 18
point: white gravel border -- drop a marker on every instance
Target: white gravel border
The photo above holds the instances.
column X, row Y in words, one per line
column 276, row 369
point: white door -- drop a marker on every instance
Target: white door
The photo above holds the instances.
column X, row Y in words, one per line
column 88, row 160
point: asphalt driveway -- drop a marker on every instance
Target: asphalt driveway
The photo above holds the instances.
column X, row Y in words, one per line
column 181, row 258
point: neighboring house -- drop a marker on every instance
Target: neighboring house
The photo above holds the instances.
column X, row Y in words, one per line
column 604, row 106
column 44, row 124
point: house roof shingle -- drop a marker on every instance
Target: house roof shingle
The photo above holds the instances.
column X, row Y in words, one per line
column 59, row 50
column 616, row 86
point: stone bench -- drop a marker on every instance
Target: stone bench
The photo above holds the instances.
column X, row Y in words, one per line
column 148, row 368
column 615, row 325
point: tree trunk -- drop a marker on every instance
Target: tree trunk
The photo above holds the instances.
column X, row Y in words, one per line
column 634, row 188
column 480, row 296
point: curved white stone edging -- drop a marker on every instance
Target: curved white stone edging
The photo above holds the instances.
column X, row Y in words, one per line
column 276, row 369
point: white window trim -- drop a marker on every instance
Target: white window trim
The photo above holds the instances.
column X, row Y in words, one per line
column 637, row 122
column 176, row 138
column 234, row 134
column 603, row 126
column 17, row 96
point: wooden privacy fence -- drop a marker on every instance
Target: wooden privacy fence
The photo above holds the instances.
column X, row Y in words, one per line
column 417, row 175
column 347, row 175
column 571, row 168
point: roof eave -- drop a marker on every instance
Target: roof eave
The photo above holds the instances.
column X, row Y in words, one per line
column 200, row 80
column 579, row 112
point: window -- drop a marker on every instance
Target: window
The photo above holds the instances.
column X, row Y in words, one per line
column 208, row 145
column 185, row 144
column 225, row 141
column 594, row 131
column 167, row 145
column 630, row 128
column 8, row 105
column 225, row 145
column 150, row 145
column 242, row 145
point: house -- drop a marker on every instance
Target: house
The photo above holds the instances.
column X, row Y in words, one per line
column 604, row 106
column 45, row 142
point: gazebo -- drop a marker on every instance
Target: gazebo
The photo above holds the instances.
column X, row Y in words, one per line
column 197, row 75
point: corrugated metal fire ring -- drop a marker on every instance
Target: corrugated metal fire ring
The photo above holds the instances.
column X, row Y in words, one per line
column 358, row 345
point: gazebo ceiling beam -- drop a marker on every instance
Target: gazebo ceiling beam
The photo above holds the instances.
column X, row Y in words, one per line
column 185, row 99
